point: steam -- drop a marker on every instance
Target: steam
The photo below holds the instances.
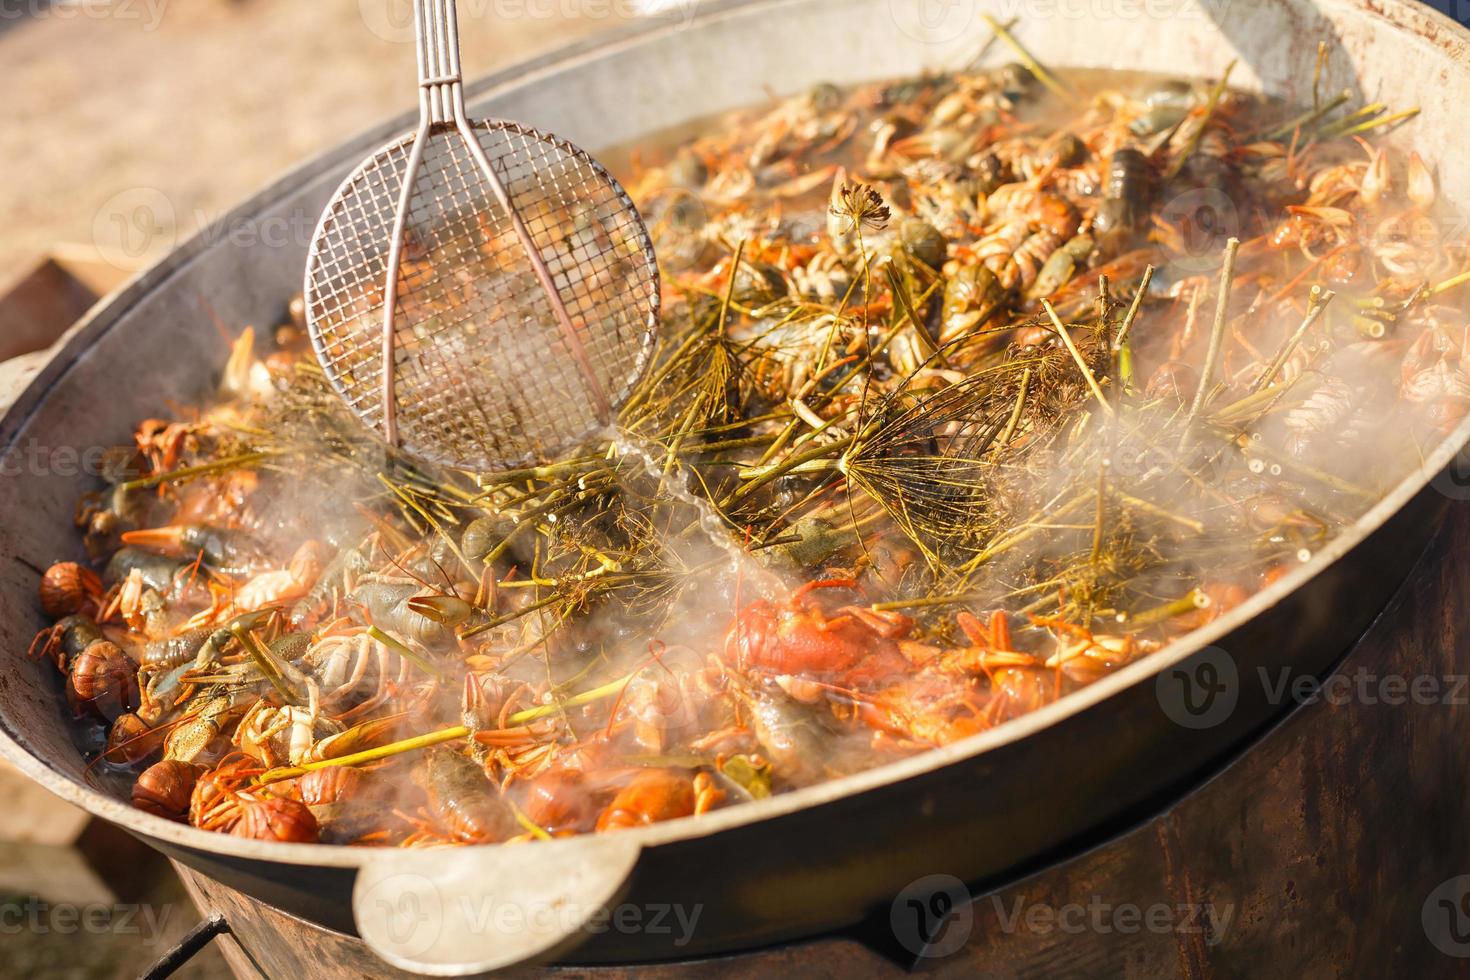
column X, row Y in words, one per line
column 1113, row 513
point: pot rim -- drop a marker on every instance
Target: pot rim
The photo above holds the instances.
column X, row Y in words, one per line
column 1406, row 15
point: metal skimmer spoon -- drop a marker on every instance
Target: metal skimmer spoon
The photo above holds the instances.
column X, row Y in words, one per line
column 481, row 294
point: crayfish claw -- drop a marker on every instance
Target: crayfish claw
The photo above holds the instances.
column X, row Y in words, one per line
column 164, row 540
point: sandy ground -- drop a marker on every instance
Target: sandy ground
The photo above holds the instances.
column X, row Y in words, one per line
column 48, row 941
column 191, row 105
column 187, row 106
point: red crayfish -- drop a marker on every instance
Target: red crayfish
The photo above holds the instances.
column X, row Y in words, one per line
column 797, row 637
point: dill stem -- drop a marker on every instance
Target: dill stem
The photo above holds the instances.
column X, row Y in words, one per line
column 1364, row 127
column 1191, row 601
column 537, row 472
column 367, row 755
column 744, row 442
column 1310, row 116
column 263, row 660
column 664, row 370
column 1217, row 335
column 402, row 649
column 1194, row 139
column 1310, row 472
column 1029, row 529
column 676, row 445
column 1315, row 305
column 730, row 288
column 785, row 466
column 1317, row 73
column 1100, row 514
column 1368, row 111
column 498, row 621
column 1015, row 419
column 1133, row 308
column 1097, row 391
column 1028, row 62
column 929, row 600
column 239, row 461
column 1138, row 503
column 1243, row 407
column 443, row 735
column 1450, row 283
column 710, row 430
column 525, row 497
column 1357, row 116
column 779, row 443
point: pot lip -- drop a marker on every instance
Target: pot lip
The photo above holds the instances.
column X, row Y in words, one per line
column 1420, row 21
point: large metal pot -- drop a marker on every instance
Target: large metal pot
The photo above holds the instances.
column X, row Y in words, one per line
column 987, row 809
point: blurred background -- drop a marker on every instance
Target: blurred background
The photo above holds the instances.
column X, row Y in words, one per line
column 125, row 127
column 199, row 103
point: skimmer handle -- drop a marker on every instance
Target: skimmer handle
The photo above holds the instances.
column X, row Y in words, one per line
column 441, row 103
column 441, row 82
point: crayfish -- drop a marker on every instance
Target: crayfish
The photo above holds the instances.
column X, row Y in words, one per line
column 859, row 645
column 655, row 795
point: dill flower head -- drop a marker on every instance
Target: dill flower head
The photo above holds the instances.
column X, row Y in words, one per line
column 860, row 205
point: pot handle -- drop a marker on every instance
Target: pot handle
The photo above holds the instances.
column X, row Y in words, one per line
column 456, row 911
